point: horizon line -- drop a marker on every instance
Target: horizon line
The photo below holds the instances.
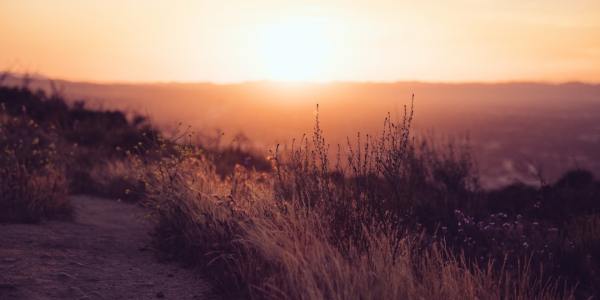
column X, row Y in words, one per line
column 40, row 77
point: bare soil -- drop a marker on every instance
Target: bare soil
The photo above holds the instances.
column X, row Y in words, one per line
column 104, row 253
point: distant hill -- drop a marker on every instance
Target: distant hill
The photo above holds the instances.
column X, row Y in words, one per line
column 510, row 125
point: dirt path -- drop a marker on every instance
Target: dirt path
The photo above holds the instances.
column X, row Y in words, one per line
column 104, row 254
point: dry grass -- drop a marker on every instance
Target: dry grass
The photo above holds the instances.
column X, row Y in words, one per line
column 113, row 180
column 306, row 231
column 280, row 251
column 33, row 185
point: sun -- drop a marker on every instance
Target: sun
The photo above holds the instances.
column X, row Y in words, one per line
column 295, row 49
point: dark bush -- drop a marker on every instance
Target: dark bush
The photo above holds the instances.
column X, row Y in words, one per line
column 33, row 185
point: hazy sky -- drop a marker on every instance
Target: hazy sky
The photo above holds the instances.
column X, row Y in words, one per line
column 227, row 40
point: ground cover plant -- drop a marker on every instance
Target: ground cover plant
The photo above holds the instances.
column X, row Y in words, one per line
column 51, row 148
column 391, row 216
column 33, row 183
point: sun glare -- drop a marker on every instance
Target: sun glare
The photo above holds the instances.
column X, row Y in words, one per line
column 297, row 49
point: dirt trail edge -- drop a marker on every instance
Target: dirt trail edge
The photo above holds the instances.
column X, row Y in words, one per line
column 103, row 254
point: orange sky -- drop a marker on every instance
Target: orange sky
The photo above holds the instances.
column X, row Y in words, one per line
column 240, row 40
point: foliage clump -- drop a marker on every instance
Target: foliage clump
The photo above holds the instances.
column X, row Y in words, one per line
column 391, row 217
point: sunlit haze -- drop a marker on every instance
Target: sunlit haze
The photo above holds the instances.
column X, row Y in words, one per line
column 307, row 149
column 235, row 41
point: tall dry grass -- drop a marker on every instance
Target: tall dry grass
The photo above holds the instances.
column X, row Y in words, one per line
column 276, row 250
column 321, row 229
column 33, row 184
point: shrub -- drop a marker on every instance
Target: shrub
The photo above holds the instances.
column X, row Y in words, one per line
column 113, row 179
column 33, row 185
column 316, row 229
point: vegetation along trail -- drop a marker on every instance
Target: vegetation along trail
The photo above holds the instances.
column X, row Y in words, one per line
column 103, row 254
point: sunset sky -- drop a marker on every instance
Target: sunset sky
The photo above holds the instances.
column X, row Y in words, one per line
column 243, row 40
